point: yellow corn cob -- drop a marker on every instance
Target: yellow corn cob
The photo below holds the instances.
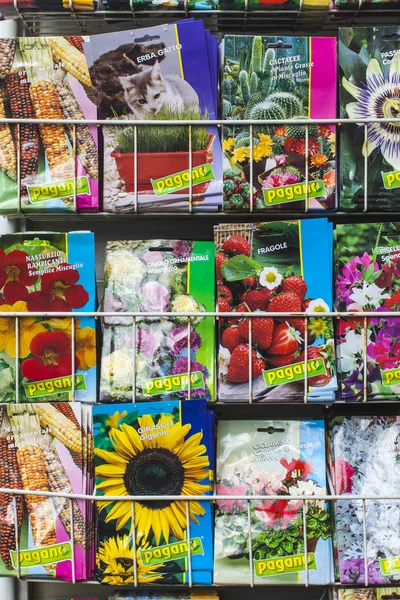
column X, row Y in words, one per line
column 47, row 106
column 8, row 155
column 86, row 148
column 73, row 61
column 60, row 427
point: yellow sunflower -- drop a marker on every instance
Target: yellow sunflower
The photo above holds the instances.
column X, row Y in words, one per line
column 116, row 553
column 166, row 464
column 113, row 420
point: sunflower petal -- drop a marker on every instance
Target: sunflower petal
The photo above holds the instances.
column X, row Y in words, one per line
column 155, row 517
column 175, row 436
column 107, row 470
column 144, row 422
column 110, row 457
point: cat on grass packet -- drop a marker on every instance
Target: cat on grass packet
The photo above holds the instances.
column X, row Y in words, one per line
column 285, row 458
column 164, row 72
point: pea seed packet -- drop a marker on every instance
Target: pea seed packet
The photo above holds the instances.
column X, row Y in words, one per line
column 161, row 448
column 279, row 78
column 47, row 78
column 365, row 461
column 367, row 279
column 164, row 72
column 153, row 359
column 285, row 458
column 271, row 267
column 369, row 80
column 47, row 272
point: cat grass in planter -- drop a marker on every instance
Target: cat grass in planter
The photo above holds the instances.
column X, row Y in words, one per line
column 164, row 73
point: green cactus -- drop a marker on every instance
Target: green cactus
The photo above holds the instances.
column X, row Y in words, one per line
column 257, row 55
column 243, row 134
column 244, row 86
column 267, row 63
column 266, row 110
column 289, row 103
column 226, row 108
column 230, row 88
column 253, row 83
column 238, row 112
column 245, row 142
column 299, row 131
column 287, row 85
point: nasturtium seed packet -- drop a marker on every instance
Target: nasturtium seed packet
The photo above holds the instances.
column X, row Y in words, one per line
column 153, row 449
column 264, row 458
column 369, row 82
column 273, row 267
column 279, row 78
column 156, row 358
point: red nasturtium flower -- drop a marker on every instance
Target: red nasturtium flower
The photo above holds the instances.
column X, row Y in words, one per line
column 14, row 275
column 51, row 357
column 58, row 291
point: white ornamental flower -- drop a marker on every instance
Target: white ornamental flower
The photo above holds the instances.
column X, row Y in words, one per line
column 369, row 294
column 317, row 305
column 308, row 488
column 270, row 278
column 349, row 349
column 224, row 360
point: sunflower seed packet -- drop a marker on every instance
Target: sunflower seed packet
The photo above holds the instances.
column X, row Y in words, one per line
column 264, row 458
column 150, row 358
column 369, row 83
column 153, row 449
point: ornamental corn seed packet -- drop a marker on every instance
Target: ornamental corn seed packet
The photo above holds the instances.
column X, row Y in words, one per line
column 47, row 272
column 365, row 461
column 369, row 83
column 271, row 267
column 153, row 449
column 368, row 279
column 47, row 78
column 279, row 78
column 155, row 358
column 158, row 73
column 285, row 458
column 379, row 593
column 41, row 449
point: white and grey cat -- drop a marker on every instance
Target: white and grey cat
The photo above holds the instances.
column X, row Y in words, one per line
column 148, row 91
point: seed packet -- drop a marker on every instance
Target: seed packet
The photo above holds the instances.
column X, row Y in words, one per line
column 271, row 267
column 172, row 595
column 379, row 593
column 47, row 78
column 368, row 279
column 158, row 73
column 365, row 461
column 47, row 272
column 279, row 78
column 265, row 458
column 369, row 76
column 149, row 359
column 161, row 448
column 41, row 449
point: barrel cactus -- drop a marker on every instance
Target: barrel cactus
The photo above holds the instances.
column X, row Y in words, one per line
column 243, row 134
column 244, row 86
column 299, row 131
column 245, row 142
column 289, row 103
column 286, row 169
column 266, row 110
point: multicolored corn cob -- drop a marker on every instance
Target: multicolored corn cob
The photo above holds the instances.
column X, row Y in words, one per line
column 59, row 482
column 17, row 88
column 76, row 41
column 67, row 411
column 7, row 52
column 9, row 478
column 73, row 61
column 46, row 105
column 8, row 155
column 86, row 148
column 60, row 427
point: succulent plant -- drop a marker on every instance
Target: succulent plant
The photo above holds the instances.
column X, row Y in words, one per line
column 245, row 142
column 254, row 82
column 226, row 108
column 244, row 86
column 257, row 55
column 299, row 131
column 290, row 104
column 266, row 110
column 230, row 90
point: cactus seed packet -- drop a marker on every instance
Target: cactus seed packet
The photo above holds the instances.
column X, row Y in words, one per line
column 263, row 458
column 369, row 89
column 156, row 358
column 279, row 78
column 158, row 448
column 271, row 267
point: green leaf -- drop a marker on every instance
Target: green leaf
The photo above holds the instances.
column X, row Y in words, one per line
column 273, row 543
column 240, row 267
column 312, row 523
column 287, row 546
column 352, row 64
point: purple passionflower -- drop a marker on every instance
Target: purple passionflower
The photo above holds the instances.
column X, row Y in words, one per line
column 151, row 256
column 178, row 340
column 154, row 296
column 181, row 249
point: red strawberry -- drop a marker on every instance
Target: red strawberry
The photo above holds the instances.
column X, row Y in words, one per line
column 295, row 284
column 285, row 302
column 306, row 304
column 231, row 338
column 257, row 299
column 241, row 308
column 223, row 305
column 238, row 370
column 225, row 292
column 314, row 352
column 261, row 331
column 299, row 325
column 236, row 244
column 250, row 281
column 284, row 341
column 219, row 261
column 281, row 361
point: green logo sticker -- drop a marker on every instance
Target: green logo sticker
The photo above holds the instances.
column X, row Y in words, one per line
column 391, row 179
column 390, row 377
column 390, row 566
column 58, row 189
column 180, row 181
column 161, row 554
column 285, row 564
column 294, row 192
column 42, row 556
column 294, row 372
column 173, row 383
column 48, row 387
